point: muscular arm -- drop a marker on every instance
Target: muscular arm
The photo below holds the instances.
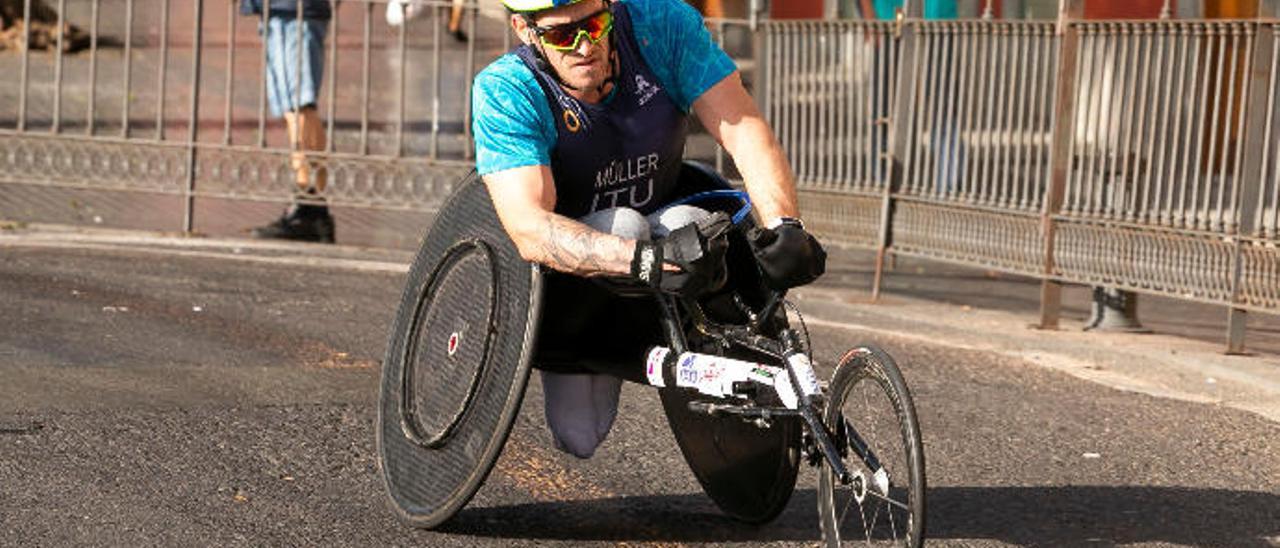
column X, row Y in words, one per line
column 729, row 113
column 525, row 198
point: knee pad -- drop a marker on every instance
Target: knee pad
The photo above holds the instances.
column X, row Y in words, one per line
column 671, row 218
column 619, row 221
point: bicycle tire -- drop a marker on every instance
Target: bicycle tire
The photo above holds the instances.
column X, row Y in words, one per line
column 866, row 375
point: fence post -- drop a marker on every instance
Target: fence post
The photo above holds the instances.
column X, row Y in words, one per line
column 163, row 65
column 913, row 9
column 762, row 46
column 26, row 69
column 1256, row 139
column 899, row 129
column 1059, row 154
column 193, row 123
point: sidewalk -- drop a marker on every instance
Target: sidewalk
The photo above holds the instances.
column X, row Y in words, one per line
column 933, row 303
column 972, row 309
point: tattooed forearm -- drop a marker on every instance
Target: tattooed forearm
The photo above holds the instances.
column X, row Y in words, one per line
column 570, row 246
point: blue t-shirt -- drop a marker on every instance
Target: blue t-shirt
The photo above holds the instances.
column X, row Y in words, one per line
column 933, row 9
column 513, row 124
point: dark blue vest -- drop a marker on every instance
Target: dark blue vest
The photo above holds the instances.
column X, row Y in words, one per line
column 622, row 152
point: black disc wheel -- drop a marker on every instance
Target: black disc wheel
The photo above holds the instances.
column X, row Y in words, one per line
column 870, row 414
column 457, row 360
column 749, row 471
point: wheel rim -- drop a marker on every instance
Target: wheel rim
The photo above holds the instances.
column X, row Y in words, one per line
column 860, row 513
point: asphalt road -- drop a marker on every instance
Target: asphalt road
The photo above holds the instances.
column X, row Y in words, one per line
column 155, row 398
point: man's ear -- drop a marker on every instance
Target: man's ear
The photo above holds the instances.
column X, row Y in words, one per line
column 520, row 26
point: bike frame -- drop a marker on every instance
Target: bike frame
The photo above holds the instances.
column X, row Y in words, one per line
column 786, row 347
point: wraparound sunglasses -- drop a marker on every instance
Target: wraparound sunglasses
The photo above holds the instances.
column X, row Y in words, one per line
column 567, row 36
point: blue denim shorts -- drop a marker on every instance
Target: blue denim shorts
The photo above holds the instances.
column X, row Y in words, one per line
column 292, row 85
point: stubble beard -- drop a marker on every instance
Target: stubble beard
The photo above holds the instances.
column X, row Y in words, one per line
column 583, row 78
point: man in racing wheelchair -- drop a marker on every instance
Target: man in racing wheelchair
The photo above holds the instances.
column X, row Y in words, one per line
column 579, row 139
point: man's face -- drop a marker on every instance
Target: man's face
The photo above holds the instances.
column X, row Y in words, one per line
column 584, row 67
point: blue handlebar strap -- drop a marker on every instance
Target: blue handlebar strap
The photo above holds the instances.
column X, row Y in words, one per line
column 741, row 195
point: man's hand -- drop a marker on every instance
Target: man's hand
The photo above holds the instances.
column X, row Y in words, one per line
column 788, row 256
column 696, row 251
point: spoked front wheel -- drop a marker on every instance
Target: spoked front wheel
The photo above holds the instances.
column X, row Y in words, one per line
column 873, row 422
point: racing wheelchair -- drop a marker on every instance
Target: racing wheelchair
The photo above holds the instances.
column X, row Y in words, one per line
column 734, row 376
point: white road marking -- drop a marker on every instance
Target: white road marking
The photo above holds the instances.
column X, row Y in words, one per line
column 217, row 249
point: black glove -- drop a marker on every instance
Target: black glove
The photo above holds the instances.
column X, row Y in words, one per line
column 698, row 249
column 788, row 256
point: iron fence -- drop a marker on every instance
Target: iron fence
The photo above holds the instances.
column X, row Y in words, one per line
column 1159, row 160
column 828, row 93
column 974, row 153
column 1133, row 154
column 1157, row 194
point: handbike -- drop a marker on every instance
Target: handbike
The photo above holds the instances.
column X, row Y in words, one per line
column 859, row 430
column 738, row 387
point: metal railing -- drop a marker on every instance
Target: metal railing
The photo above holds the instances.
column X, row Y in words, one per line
column 974, row 154
column 1152, row 194
column 1154, row 173
column 828, row 93
column 1129, row 154
column 1139, row 155
column 182, row 110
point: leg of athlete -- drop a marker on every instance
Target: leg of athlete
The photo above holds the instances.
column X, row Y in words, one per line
column 581, row 407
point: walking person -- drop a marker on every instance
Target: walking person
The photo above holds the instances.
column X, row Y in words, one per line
column 294, row 66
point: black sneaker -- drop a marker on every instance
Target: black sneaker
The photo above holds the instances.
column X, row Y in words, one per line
column 308, row 223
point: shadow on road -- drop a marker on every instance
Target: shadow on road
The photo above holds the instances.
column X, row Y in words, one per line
column 1043, row 516
column 1074, row 515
